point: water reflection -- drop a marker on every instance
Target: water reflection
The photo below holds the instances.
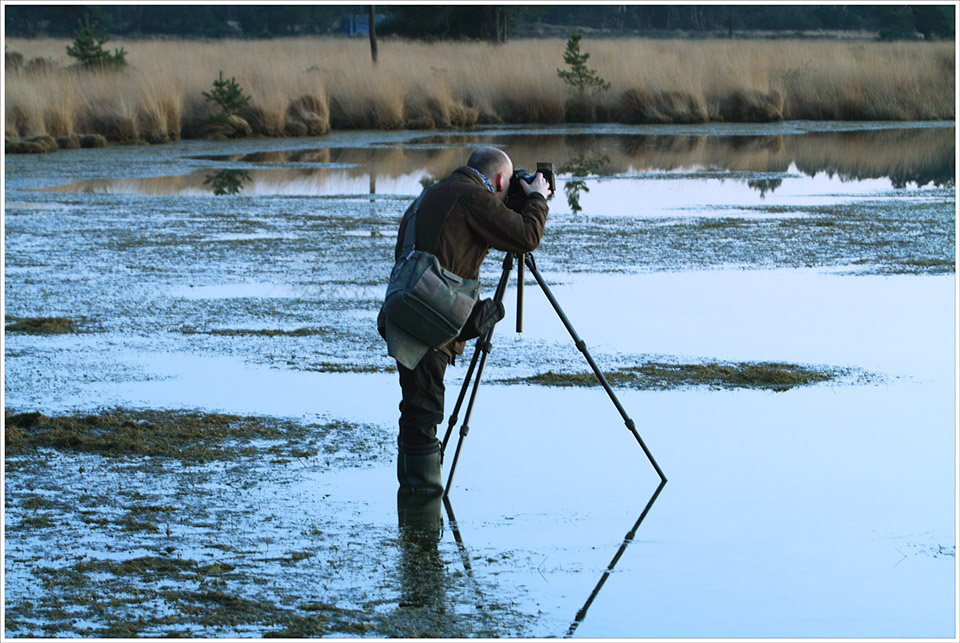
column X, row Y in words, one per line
column 226, row 182
column 423, row 580
column 423, row 575
column 579, row 168
column 582, row 612
column 765, row 185
column 921, row 156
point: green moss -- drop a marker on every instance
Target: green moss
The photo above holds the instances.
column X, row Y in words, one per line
column 34, row 503
column 36, row 522
column 150, row 565
column 184, row 435
column 40, row 325
column 243, row 332
column 330, row 367
column 774, row 376
column 295, row 557
column 217, row 569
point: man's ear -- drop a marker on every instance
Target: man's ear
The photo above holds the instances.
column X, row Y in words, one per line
column 498, row 182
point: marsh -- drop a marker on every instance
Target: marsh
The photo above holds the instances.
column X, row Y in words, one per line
column 238, row 306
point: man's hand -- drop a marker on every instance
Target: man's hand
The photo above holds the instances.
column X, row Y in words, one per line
column 539, row 184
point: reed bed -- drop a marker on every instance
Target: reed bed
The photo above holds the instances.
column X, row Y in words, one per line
column 306, row 86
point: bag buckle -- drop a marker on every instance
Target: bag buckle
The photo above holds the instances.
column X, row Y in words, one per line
column 400, row 263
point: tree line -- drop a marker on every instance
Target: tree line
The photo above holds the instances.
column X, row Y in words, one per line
column 483, row 22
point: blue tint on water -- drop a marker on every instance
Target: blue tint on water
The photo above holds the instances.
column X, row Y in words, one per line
column 821, row 511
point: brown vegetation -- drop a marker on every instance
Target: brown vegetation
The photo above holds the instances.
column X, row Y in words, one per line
column 305, row 87
column 40, row 325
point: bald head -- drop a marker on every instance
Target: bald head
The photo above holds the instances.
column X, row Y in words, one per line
column 490, row 162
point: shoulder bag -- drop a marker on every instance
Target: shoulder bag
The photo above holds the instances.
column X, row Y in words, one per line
column 423, row 298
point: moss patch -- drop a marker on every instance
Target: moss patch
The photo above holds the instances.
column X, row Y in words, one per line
column 184, row 435
column 330, row 367
column 40, row 325
column 775, row 376
column 244, row 332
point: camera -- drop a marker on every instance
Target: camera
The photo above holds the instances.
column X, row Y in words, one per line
column 516, row 197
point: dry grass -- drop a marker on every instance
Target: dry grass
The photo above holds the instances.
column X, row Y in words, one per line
column 306, row 86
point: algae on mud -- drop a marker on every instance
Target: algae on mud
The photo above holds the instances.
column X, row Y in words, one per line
column 662, row 376
column 40, row 325
column 184, row 435
column 242, row 332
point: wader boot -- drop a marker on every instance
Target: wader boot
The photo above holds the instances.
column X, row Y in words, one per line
column 419, row 512
column 418, row 468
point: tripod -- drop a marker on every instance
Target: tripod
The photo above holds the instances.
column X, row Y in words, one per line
column 485, row 345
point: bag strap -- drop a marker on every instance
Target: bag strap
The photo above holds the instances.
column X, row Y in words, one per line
column 410, row 235
column 409, row 238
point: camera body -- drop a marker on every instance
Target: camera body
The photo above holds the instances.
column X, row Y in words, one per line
column 516, row 198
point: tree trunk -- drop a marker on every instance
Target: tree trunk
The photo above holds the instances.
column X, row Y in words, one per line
column 497, row 23
column 373, row 34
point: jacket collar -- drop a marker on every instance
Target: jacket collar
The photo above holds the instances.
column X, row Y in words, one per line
column 466, row 169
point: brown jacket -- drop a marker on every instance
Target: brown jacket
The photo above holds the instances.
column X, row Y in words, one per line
column 460, row 220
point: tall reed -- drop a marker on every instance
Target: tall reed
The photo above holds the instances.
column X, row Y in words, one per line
column 308, row 85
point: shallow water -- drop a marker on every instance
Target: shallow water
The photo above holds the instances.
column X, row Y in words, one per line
column 823, row 511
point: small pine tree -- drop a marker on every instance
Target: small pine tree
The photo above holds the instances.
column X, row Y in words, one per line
column 87, row 47
column 583, row 79
column 228, row 95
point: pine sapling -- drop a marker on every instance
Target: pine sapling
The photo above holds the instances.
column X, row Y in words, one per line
column 228, row 96
column 583, row 79
column 87, row 47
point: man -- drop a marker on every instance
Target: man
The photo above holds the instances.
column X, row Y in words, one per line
column 459, row 220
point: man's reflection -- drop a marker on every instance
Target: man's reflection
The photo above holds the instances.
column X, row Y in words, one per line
column 423, row 576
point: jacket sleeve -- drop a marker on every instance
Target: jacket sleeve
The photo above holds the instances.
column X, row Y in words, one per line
column 502, row 228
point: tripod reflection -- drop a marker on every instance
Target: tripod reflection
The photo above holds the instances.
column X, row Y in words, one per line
column 582, row 613
column 425, row 584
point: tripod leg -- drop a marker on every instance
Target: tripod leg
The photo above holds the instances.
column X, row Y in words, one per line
column 582, row 347
column 463, row 392
column 498, row 296
column 484, row 344
column 465, row 427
